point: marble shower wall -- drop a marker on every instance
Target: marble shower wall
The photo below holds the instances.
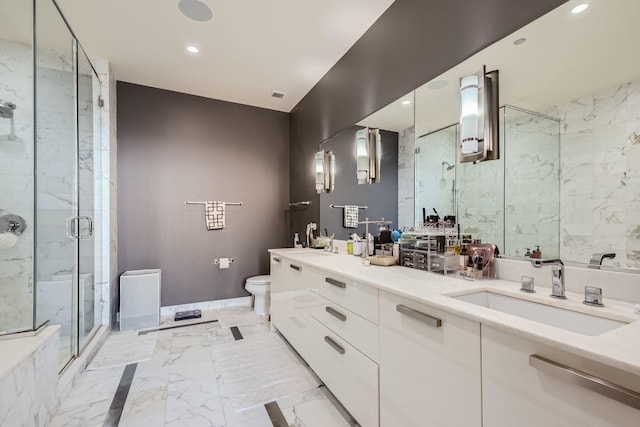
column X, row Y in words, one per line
column 532, row 190
column 600, row 180
column 480, row 193
column 55, row 190
column 56, row 163
column 406, row 177
column 435, row 186
column 17, row 186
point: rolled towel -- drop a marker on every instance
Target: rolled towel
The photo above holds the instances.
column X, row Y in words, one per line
column 214, row 215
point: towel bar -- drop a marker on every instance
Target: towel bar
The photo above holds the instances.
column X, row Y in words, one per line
column 342, row 207
column 189, row 202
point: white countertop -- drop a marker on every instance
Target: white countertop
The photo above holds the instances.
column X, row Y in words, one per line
column 619, row 348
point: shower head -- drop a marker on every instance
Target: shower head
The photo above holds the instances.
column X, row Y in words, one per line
column 449, row 165
column 6, row 109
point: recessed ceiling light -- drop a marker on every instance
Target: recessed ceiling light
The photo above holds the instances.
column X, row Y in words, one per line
column 580, row 8
column 437, row 84
column 196, row 10
column 407, row 102
column 277, row 94
column 520, row 41
column 192, row 49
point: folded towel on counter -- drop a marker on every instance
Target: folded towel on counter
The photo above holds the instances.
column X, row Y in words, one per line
column 214, row 215
column 351, row 216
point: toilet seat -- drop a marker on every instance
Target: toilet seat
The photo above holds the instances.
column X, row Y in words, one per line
column 259, row 280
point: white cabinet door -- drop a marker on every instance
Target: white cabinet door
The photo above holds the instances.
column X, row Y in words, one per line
column 429, row 366
column 350, row 375
column 518, row 394
column 290, row 303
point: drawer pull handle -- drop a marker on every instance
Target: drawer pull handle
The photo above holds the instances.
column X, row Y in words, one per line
column 276, row 259
column 335, row 313
column 334, row 344
column 295, row 267
column 335, row 282
column 418, row 315
column 582, row 379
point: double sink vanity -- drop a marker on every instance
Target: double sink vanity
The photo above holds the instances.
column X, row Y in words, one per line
column 401, row 347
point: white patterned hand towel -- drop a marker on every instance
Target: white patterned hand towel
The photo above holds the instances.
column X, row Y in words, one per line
column 351, row 216
column 214, row 215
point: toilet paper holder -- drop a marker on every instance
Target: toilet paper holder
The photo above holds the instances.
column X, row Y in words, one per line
column 217, row 260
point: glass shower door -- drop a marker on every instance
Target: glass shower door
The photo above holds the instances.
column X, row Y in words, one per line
column 89, row 192
column 56, row 177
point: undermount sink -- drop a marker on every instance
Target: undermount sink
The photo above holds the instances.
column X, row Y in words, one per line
column 569, row 320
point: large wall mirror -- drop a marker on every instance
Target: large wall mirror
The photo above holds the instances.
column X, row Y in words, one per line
column 376, row 201
column 568, row 177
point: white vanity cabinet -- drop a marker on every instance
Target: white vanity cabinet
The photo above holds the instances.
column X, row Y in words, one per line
column 429, row 366
column 290, row 302
column 345, row 342
column 514, row 393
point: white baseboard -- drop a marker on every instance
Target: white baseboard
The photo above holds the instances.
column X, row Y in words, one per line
column 207, row 305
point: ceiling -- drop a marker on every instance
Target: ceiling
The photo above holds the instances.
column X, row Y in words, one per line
column 249, row 49
column 564, row 57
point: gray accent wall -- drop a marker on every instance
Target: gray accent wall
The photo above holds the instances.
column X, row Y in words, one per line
column 381, row 198
column 410, row 44
column 174, row 147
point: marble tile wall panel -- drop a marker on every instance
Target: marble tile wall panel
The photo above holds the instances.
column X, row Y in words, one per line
column 600, row 181
column 16, row 186
column 532, row 191
column 29, row 389
column 406, row 177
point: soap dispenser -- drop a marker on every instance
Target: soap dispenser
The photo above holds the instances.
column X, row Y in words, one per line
column 296, row 241
column 536, row 253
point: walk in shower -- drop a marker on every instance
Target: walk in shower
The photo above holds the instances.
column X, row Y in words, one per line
column 50, row 159
column 513, row 202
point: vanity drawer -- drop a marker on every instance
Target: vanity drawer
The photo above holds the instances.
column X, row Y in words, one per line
column 358, row 331
column 349, row 374
column 357, row 297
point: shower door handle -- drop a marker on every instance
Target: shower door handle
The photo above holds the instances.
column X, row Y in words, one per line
column 89, row 227
column 70, row 227
column 73, row 225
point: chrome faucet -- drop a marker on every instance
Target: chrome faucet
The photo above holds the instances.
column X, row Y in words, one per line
column 596, row 259
column 557, row 275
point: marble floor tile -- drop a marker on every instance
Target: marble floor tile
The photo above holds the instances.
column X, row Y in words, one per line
column 145, row 407
column 200, row 375
column 311, row 409
column 94, row 386
column 260, row 369
column 123, row 348
column 237, row 316
column 88, row 414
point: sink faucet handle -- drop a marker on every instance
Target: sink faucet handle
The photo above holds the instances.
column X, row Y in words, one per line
column 526, row 284
column 593, row 296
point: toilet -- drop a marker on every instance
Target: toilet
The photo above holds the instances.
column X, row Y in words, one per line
column 260, row 287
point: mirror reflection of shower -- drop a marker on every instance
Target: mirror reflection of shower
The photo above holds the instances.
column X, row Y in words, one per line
column 443, row 182
column 6, row 112
column 449, row 166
